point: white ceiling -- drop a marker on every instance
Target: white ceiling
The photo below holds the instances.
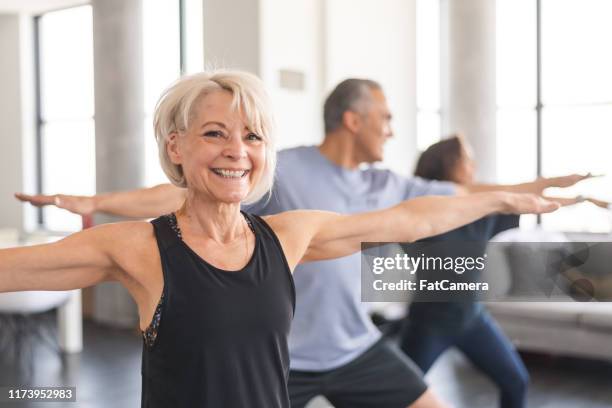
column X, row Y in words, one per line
column 36, row 6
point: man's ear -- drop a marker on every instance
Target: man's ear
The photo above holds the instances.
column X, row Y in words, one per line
column 172, row 148
column 351, row 120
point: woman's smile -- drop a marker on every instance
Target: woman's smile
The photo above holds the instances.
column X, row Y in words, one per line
column 231, row 173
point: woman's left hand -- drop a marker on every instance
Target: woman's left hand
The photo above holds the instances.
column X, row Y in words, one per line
column 566, row 181
column 600, row 203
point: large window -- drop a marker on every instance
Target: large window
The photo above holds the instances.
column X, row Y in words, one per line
column 555, row 99
column 162, row 65
column 577, row 102
column 66, row 144
column 516, row 91
column 172, row 45
column 428, row 72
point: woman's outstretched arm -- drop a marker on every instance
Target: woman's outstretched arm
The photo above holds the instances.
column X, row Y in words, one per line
column 141, row 203
column 80, row 260
column 317, row 235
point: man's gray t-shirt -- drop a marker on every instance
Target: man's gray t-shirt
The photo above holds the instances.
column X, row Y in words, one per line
column 331, row 326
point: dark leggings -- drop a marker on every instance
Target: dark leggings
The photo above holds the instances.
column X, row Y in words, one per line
column 483, row 343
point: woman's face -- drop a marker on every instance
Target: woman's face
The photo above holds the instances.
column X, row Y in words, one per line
column 220, row 156
column 464, row 170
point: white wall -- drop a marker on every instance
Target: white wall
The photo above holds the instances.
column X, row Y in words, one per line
column 291, row 39
column 325, row 41
column 377, row 40
column 231, row 34
column 468, row 78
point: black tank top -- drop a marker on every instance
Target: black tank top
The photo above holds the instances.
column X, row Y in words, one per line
column 219, row 339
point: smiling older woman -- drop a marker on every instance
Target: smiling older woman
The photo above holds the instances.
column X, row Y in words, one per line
column 213, row 284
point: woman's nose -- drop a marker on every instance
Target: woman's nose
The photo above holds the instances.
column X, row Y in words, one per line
column 235, row 148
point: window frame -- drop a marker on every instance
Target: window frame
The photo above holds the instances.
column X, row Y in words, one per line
column 40, row 122
column 38, row 66
column 420, row 109
column 540, row 107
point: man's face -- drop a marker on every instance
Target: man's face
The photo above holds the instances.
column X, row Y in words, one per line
column 374, row 128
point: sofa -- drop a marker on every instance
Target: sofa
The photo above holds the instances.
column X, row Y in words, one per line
column 564, row 328
column 568, row 328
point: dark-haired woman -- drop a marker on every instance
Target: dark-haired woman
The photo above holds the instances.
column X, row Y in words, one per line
column 433, row 327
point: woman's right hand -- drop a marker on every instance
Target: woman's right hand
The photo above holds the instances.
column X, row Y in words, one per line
column 81, row 205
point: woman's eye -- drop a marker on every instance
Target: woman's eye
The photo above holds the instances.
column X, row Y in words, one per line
column 254, row 136
column 213, row 133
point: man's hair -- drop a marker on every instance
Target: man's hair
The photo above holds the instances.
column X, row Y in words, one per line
column 352, row 94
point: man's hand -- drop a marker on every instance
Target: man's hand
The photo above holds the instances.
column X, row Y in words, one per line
column 140, row 203
column 81, row 205
column 527, row 204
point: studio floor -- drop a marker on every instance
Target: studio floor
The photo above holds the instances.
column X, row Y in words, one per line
column 107, row 374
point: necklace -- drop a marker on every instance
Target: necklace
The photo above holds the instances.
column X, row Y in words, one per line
column 246, row 242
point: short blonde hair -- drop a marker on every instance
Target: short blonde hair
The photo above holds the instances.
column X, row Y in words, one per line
column 176, row 109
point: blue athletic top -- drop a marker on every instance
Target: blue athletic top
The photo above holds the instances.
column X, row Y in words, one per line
column 332, row 326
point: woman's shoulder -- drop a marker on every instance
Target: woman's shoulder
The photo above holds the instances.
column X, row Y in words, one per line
column 125, row 228
column 132, row 245
column 130, row 235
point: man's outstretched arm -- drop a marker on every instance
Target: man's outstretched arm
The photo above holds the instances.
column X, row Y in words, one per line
column 141, row 203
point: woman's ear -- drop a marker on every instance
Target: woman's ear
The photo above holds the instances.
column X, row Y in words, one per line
column 172, row 148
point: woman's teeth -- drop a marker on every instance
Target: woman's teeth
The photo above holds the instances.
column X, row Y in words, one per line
column 231, row 173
